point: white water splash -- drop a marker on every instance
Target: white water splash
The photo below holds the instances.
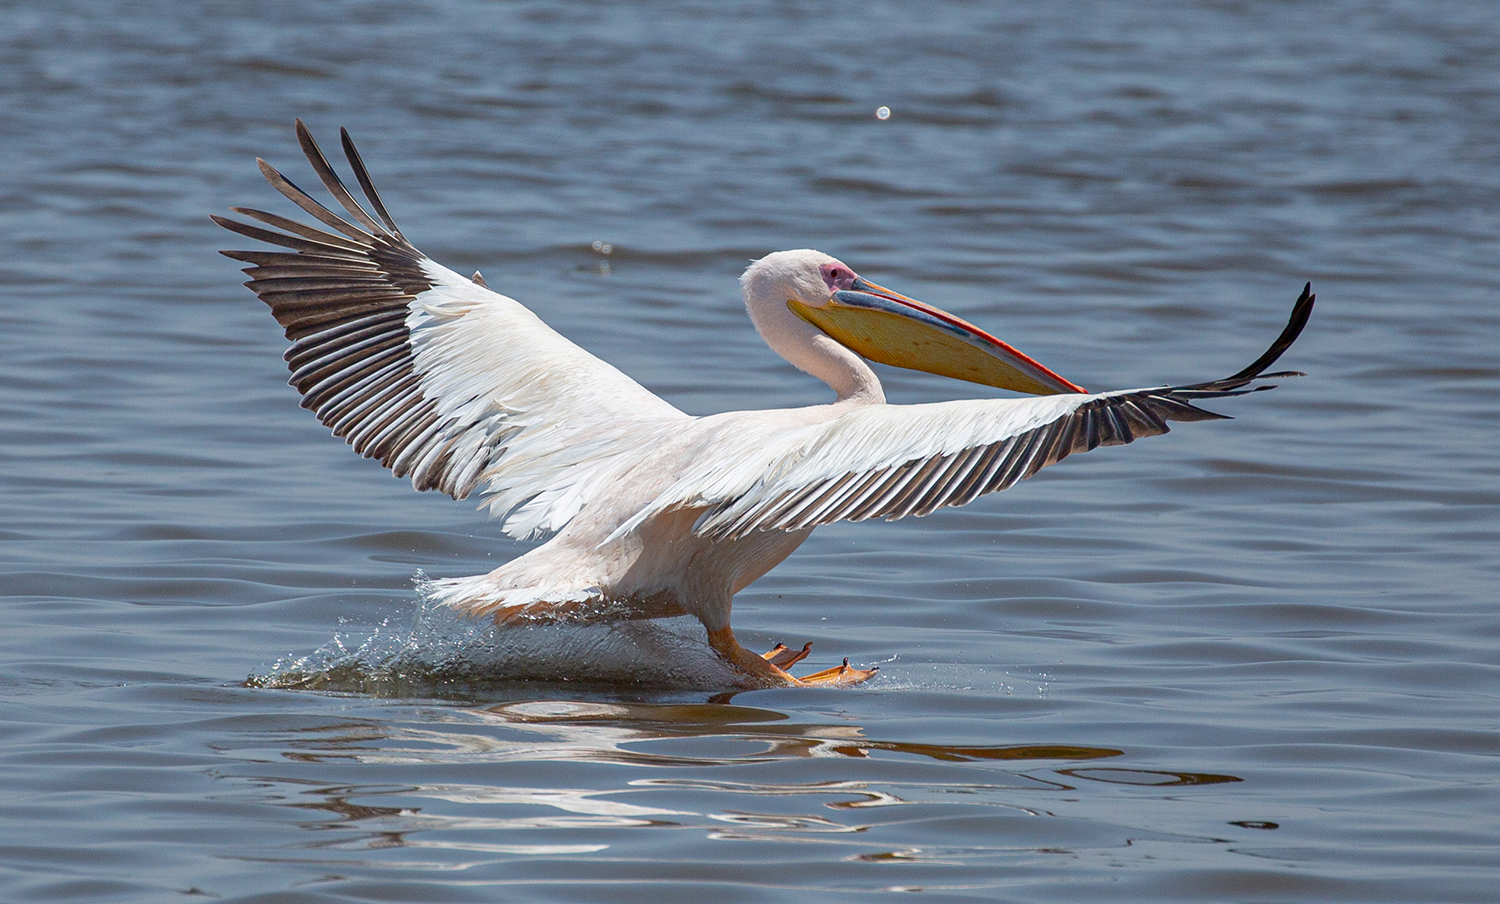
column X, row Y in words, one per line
column 442, row 653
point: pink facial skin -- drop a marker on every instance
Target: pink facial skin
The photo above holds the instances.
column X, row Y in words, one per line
column 837, row 277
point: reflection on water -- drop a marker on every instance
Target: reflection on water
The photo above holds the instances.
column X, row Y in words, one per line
column 1151, row 777
column 600, row 732
column 1012, row 808
column 616, row 724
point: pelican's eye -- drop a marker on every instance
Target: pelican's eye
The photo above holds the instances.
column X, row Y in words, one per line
column 837, row 277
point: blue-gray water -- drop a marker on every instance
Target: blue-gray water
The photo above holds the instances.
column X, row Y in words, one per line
column 1250, row 661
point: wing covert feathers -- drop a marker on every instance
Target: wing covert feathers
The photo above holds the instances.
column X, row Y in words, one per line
column 428, row 372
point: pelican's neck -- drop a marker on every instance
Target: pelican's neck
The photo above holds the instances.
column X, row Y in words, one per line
column 846, row 373
column 812, row 351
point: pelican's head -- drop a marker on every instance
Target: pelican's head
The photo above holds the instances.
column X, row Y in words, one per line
column 882, row 325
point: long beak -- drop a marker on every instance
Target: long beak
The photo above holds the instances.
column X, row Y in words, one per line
column 890, row 328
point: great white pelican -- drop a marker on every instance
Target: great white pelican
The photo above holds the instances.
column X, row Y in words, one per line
column 652, row 512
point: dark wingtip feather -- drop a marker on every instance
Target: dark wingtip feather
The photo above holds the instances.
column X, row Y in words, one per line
column 1301, row 312
column 308, row 203
column 357, row 164
column 1172, row 397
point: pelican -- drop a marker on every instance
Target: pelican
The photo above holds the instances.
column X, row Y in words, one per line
column 651, row 512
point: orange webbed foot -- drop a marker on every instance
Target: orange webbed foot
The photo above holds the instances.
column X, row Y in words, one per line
column 840, row 676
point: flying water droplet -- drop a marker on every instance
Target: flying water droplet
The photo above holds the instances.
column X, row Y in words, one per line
column 883, row 113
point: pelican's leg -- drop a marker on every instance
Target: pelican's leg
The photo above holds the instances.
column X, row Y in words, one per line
column 767, row 671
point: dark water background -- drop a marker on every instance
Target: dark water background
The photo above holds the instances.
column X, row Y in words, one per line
column 1251, row 661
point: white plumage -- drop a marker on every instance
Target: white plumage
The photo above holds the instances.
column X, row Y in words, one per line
column 652, row 512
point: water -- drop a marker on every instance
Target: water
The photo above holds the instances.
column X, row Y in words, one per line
column 1251, row 661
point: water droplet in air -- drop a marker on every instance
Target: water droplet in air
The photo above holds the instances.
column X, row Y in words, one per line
column 603, row 247
column 883, row 113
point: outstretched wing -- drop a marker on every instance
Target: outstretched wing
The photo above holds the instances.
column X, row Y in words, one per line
column 431, row 373
column 890, row 461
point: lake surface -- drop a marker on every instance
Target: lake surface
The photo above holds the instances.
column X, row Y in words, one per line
column 1255, row 660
